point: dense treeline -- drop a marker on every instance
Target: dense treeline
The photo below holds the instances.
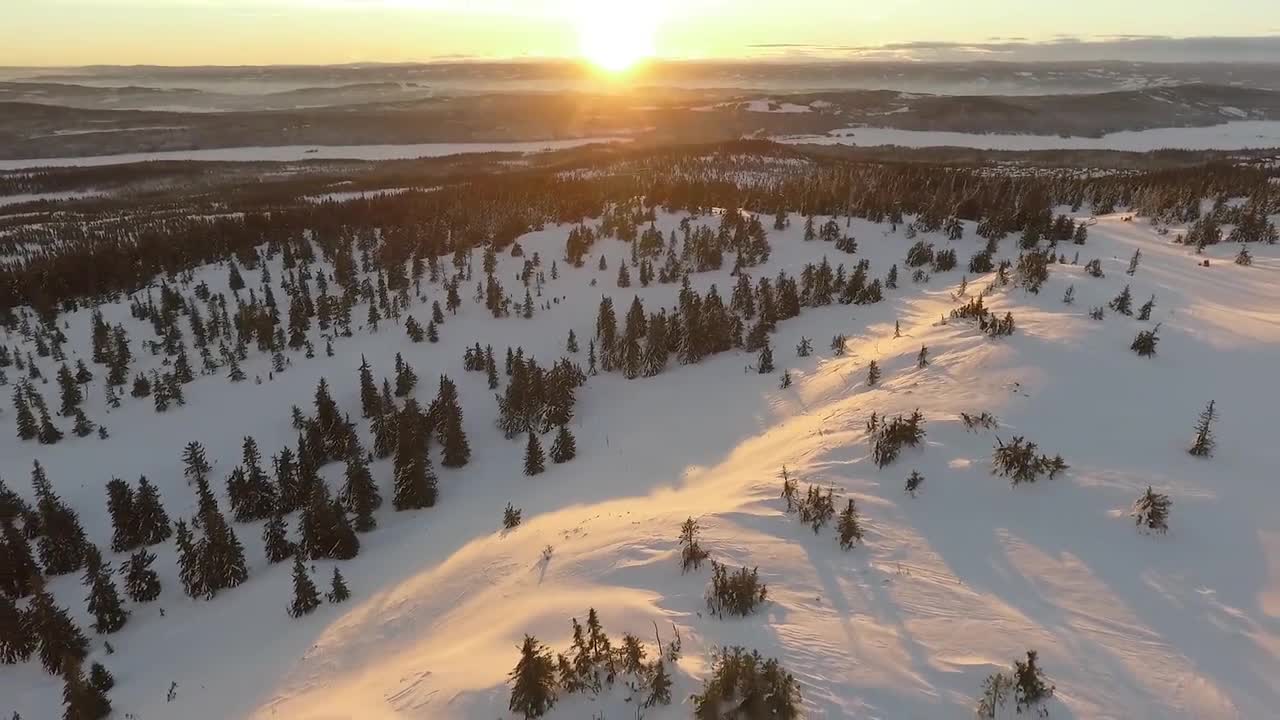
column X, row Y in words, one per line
column 60, row 263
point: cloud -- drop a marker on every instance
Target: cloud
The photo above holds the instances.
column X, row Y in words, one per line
column 1061, row 48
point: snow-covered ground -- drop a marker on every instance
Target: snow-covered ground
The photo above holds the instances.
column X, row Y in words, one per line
column 292, row 153
column 1241, row 135
column 949, row 586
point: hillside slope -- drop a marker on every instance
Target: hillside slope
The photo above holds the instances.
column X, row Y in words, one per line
column 948, row 587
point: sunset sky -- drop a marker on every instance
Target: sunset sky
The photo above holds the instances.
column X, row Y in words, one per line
column 186, row 32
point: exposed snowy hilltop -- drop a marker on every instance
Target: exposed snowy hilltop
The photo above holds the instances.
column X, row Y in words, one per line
column 949, row 584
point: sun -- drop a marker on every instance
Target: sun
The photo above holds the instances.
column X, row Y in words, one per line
column 615, row 35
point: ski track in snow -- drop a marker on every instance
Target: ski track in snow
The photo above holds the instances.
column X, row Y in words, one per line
column 948, row 587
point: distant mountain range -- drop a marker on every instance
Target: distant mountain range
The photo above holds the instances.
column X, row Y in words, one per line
column 108, row 110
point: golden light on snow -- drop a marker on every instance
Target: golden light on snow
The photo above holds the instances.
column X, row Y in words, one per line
column 615, row 35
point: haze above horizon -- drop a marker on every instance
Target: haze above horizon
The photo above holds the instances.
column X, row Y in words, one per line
column 616, row 34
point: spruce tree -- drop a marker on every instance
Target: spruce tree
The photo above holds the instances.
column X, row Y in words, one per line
column 27, row 427
column 62, row 542
column 104, row 600
column 83, row 426
column 370, row 403
column 49, row 434
column 1151, row 511
column 57, row 637
column 81, row 700
column 359, row 492
column 1133, row 264
column 305, row 597
column 1204, row 442
column 151, row 521
column 534, row 462
column 100, row 678
column 564, row 448
column 141, row 583
column 260, row 498
column 120, row 502
column 764, row 363
column 69, row 391
column 849, row 528
column 194, row 464
column 275, row 539
column 17, row 641
column 914, row 481
column 873, row 374
column 533, row 682
column 1029, row 687
column 922, row 360
column 223, row 555
column 1122, row 303
column 21, row 574
column 1144, row 312
column 338, row 591
column 1144, row 343
column 446, row 415
column 414, row 480
column 191, row 569
column 511, row 517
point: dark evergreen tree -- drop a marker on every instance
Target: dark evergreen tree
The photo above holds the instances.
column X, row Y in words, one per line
column 338, row 591
column 1029, row 687
column 1151, row 511
column 275, row 539
column 446, row 415
column 533, row 681
column 873, row 374
column 914, row 481
column 120, row 502
column 406, row 379
column 62, row 542
column 1133, row 264
column 27, row 427
column 305, row 596
column 104, row 600
column 151, row 520
column 81, row 699
column 141, row 583
column 534, row 462
column 1123, row 303
column 222, row 555
column 17, row 641
column 1204, row 442
column 194, row 464
column 49, row 433
column 1144, row 312
column 370, row 404
column 922, row 360
column 564, row 448
column 848, row 526
column 20, row 574
column 1144, row 343
column 360, row 493
column 511, row 517
column 58, row 640
column 100, row 678
column 764, row 363
column 415, row 482
column 191, row 571
column 69, row 390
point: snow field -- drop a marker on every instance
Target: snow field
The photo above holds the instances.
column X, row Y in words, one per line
column 948, row 587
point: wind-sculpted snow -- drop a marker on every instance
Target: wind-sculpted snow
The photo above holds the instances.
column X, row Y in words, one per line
column 946, row 588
